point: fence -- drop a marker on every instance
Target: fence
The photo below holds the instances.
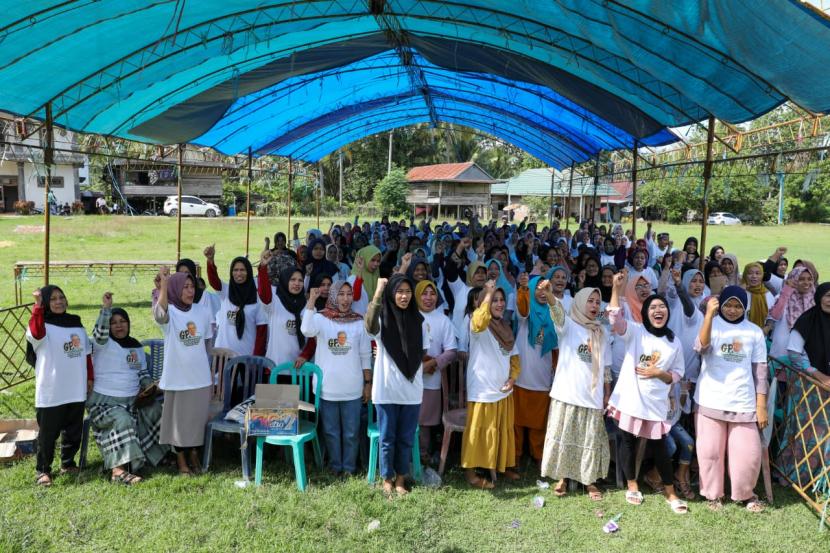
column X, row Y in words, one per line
column 801, row 436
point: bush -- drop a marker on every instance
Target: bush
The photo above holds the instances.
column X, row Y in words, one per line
column 22, row 207
column 390, row 193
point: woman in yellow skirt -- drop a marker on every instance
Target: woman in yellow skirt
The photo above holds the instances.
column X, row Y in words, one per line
column 489, row 440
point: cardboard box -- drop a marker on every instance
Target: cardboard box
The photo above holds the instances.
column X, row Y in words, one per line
column 276, row 411
column 18, row 437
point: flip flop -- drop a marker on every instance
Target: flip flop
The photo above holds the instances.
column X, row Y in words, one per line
column 481, row 484
column 126, row 478
column 43, row 479
column 634, row 498
column 755, row 505
column 714, row 505
column 678, row 506
column 595, row 494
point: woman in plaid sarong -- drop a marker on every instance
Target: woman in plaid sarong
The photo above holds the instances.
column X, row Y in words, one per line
column 124, row 414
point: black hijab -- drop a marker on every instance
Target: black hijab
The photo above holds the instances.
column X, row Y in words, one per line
column 659, row 332
column 127, row 341
column 63, row 320
column 814, row 327
column 400, row 329
column 319, row 266
column 243, row 294
column 293, row 303
column 191, row 268
column 316, row 282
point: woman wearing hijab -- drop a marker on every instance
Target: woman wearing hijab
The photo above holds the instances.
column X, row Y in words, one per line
column 393, row 321
column 459, row 284
column 318, row 263
column 640, row 400
column 126, row 430
column 496, row 273
column 636, row 292
column 797, row 296
column 729, row 268
column 185, row 377
column 442, row 351
column 761, row 300
column 284, row 312
column 716, row 254
column 59, row 350
column 333, row 255
column 344, row 353
column 364, row 277
column 731, row 398
column 537, row 345
column 494, row 366
column 809, row 345
column 241, row 324
column 558, row 277
column 576, row 443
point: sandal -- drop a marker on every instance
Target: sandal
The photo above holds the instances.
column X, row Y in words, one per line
column 561, row 489
column 684, row 489
column 594, row 493
column 678, row 506
column 510, row 475
column 715, row 505
column 755, row 505
column 43, row 479
column 634, row 498
column 126, row 478
column 481, row 483
column 655, row 485
column 70, row 470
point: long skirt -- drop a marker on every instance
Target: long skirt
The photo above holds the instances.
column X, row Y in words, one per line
column 576, row 444
column 489, row 441
column 125, row 434
column 184, row 416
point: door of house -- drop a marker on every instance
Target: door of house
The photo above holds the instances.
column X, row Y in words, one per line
column 9, row 198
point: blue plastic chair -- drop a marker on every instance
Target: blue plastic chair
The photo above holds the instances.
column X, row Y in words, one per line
column 255, row 366
column 304, row 377
column 374, row 449
column 155, row 357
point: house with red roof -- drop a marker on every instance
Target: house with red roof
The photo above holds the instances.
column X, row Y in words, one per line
column 450, row 190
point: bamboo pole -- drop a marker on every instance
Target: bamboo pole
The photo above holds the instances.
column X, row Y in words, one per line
column 248, row 202
column 550, row 211
column 596, row 185
column 634, row 192
column 570, row 190
column 180, row 155
column 707, row 176
column 48, row 160
column 290, row 186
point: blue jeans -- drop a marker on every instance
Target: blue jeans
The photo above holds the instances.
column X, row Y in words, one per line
column 341, row 423
column 396, row 424
column 678, row 438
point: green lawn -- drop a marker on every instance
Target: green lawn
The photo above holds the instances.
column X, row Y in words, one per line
column 210, row 513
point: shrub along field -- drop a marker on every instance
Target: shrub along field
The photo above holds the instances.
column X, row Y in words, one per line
column 210, row 513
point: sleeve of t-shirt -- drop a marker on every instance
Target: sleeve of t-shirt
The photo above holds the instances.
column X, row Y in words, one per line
column 759, row 347
column 449, row 340
column 795, row 342
column 365, row 346
column 679, row 365
column 308, row 325
column 425, row 337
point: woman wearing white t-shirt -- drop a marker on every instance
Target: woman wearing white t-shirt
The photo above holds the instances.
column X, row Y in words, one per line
column 185, row 376
column 731, row 398
column 285, row 337
column 796, row 297
column 640, row 400
column 538, row 350
column 442, row 351
column 558, row 277
column 489, row 438
column 344, row 353
column 576, row 443
column 125, row 417
column 393, row 321
column 58, row 349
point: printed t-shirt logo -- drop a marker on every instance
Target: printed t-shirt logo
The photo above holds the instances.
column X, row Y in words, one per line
column 340, row 345
column 540, row 337
column 733, row 352
column 132, row 359
column 584, row 352
column 73, row 348
column 190, row 336
column 291, row 327
column 649, row 361
column 231, row 316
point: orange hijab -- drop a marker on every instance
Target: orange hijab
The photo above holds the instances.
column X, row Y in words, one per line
column 635, row 305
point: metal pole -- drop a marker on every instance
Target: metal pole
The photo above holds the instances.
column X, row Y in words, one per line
column 248, row 202
column 179, row 205
column 318, row 204
column 389, row 163
column 634, row 192
column 550, row 212
column 570, row 190
column 48, row 160
column 319, row 191
column 340, row 158
column 290, row 186
column 707, row 175
column 596, row 184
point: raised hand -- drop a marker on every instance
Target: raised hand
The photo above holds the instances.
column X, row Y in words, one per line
column 480, row 251
column 313, row 295
column 712, row 307
column 265, row 256
column 620, row 280
column 380, row 286
column 296, row 227
column 545, row 286
column 267, row 243
column 210, row 251
column 106, row 300
column 164, row 275
column 359, row 263
column 523, row 279
column 675, row 274
column 581, row 278
column 36, row 294
column 490, row 288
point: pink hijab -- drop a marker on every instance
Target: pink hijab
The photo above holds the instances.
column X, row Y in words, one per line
column 799, row 303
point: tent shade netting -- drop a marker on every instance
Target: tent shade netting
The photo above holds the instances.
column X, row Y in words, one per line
column 562, row 80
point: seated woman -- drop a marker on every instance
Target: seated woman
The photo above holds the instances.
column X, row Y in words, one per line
column 125, row 428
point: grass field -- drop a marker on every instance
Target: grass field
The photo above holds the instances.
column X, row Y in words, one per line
column 209, row 513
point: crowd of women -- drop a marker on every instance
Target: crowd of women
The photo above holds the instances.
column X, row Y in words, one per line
column 572, row 343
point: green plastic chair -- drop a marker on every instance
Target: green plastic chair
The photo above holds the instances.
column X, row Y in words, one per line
column 304, row 377
column 374, row 449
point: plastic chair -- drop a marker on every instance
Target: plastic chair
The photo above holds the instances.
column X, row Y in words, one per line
column 155, row 357
column 305, row 377
column 254, row 368
column 219, row 358
column 454, row 420
column 374, row 449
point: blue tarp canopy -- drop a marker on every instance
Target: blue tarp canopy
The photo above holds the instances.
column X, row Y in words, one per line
column 562, row 80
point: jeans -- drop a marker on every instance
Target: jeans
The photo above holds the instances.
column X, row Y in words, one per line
column 396, row 424
column 676, row 439
column 341, row 424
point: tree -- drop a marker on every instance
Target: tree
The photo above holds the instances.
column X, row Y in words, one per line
column 390, row 193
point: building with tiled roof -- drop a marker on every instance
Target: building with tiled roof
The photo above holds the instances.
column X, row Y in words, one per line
column 450, row 189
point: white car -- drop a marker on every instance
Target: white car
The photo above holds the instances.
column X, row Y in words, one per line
column 723, row 218
column 191, row 205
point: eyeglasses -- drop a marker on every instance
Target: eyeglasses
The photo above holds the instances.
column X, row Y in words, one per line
column 642, row 287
